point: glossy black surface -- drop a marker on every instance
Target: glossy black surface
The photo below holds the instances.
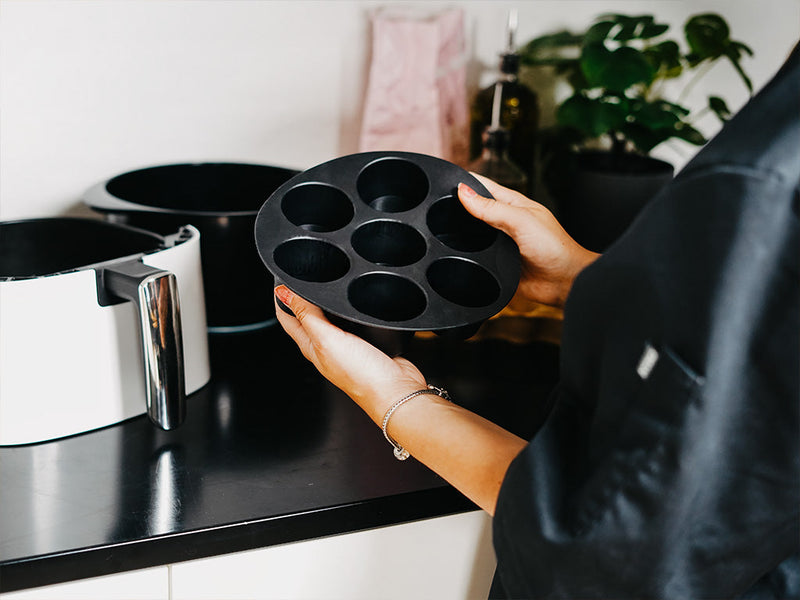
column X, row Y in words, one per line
column 269, row 453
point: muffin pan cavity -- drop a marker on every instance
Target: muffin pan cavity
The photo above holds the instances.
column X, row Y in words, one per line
column 389, row 243
column 387, row 297
column 317, row 207
column 452, row 225
column 311, row 260
column 380, row 240
column 393, row 185
column 463, row 282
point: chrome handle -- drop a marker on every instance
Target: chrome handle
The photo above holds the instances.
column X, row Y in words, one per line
column 155, row 294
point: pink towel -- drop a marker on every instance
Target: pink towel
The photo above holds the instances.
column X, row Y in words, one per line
column 416, row 96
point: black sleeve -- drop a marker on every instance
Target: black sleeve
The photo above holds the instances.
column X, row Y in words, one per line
column 670, row 466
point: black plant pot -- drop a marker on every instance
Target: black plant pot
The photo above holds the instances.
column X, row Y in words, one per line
column 598, row 194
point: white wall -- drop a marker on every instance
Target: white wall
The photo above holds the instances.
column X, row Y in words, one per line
column 93, row 88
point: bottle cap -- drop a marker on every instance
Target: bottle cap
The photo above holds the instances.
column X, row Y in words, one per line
column 509, row 63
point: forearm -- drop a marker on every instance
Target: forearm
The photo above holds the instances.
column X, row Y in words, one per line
column 466, row 450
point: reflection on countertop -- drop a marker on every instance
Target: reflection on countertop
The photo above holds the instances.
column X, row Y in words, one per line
column 269, row 453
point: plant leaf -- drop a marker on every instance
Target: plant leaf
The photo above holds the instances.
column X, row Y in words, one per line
column 592, row 116
column 564, row 64
column 643, row 138
column 615, row 70
column 642, row 27
column 693, row 59
column 665, row 59
column 598, row 32
column 576, row 112
column 677, row 109
column 655, row 115
column 742, row 48
column 690, row 134
column 628, row 26
column 652, row 30
column 718, row 106
column 707, row 36
column 561, row 45
column 733, row 56
column 576, row 78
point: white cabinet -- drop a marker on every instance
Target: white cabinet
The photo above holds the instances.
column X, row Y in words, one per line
column 147, row 584
column 441, row 558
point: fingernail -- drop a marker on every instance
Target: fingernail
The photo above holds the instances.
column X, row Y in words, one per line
column 284, row 296
column 466, row 191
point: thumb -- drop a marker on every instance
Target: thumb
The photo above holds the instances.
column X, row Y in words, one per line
column 308, row 320
column 501, row 215
column 308, row 314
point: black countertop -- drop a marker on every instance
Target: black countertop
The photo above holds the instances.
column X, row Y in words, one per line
column 269, row 453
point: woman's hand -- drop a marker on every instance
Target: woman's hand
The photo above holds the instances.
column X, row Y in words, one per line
column 356, row 367
column 551, row 259
column 470, row 452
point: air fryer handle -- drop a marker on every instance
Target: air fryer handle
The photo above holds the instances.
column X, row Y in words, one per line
column 155, row 294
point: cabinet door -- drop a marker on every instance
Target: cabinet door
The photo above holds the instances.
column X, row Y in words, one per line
column 147, row 584
column 441, row 558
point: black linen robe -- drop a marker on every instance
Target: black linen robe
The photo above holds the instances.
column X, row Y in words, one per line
column 670, row 465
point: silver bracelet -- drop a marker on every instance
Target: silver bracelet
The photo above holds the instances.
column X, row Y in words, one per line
column 401, row 453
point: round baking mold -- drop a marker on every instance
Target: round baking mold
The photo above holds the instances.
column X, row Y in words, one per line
column 380, row 239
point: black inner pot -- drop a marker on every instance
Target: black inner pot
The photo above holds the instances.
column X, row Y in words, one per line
column 221, row 200
column 388, row 249
column 224, row 188
column 40, row 247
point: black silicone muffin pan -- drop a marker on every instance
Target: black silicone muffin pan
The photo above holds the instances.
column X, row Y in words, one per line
column 381, row 240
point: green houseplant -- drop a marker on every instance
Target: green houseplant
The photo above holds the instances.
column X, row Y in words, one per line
column 617, row 70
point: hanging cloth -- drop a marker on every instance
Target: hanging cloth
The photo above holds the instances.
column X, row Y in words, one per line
column 416, row 99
